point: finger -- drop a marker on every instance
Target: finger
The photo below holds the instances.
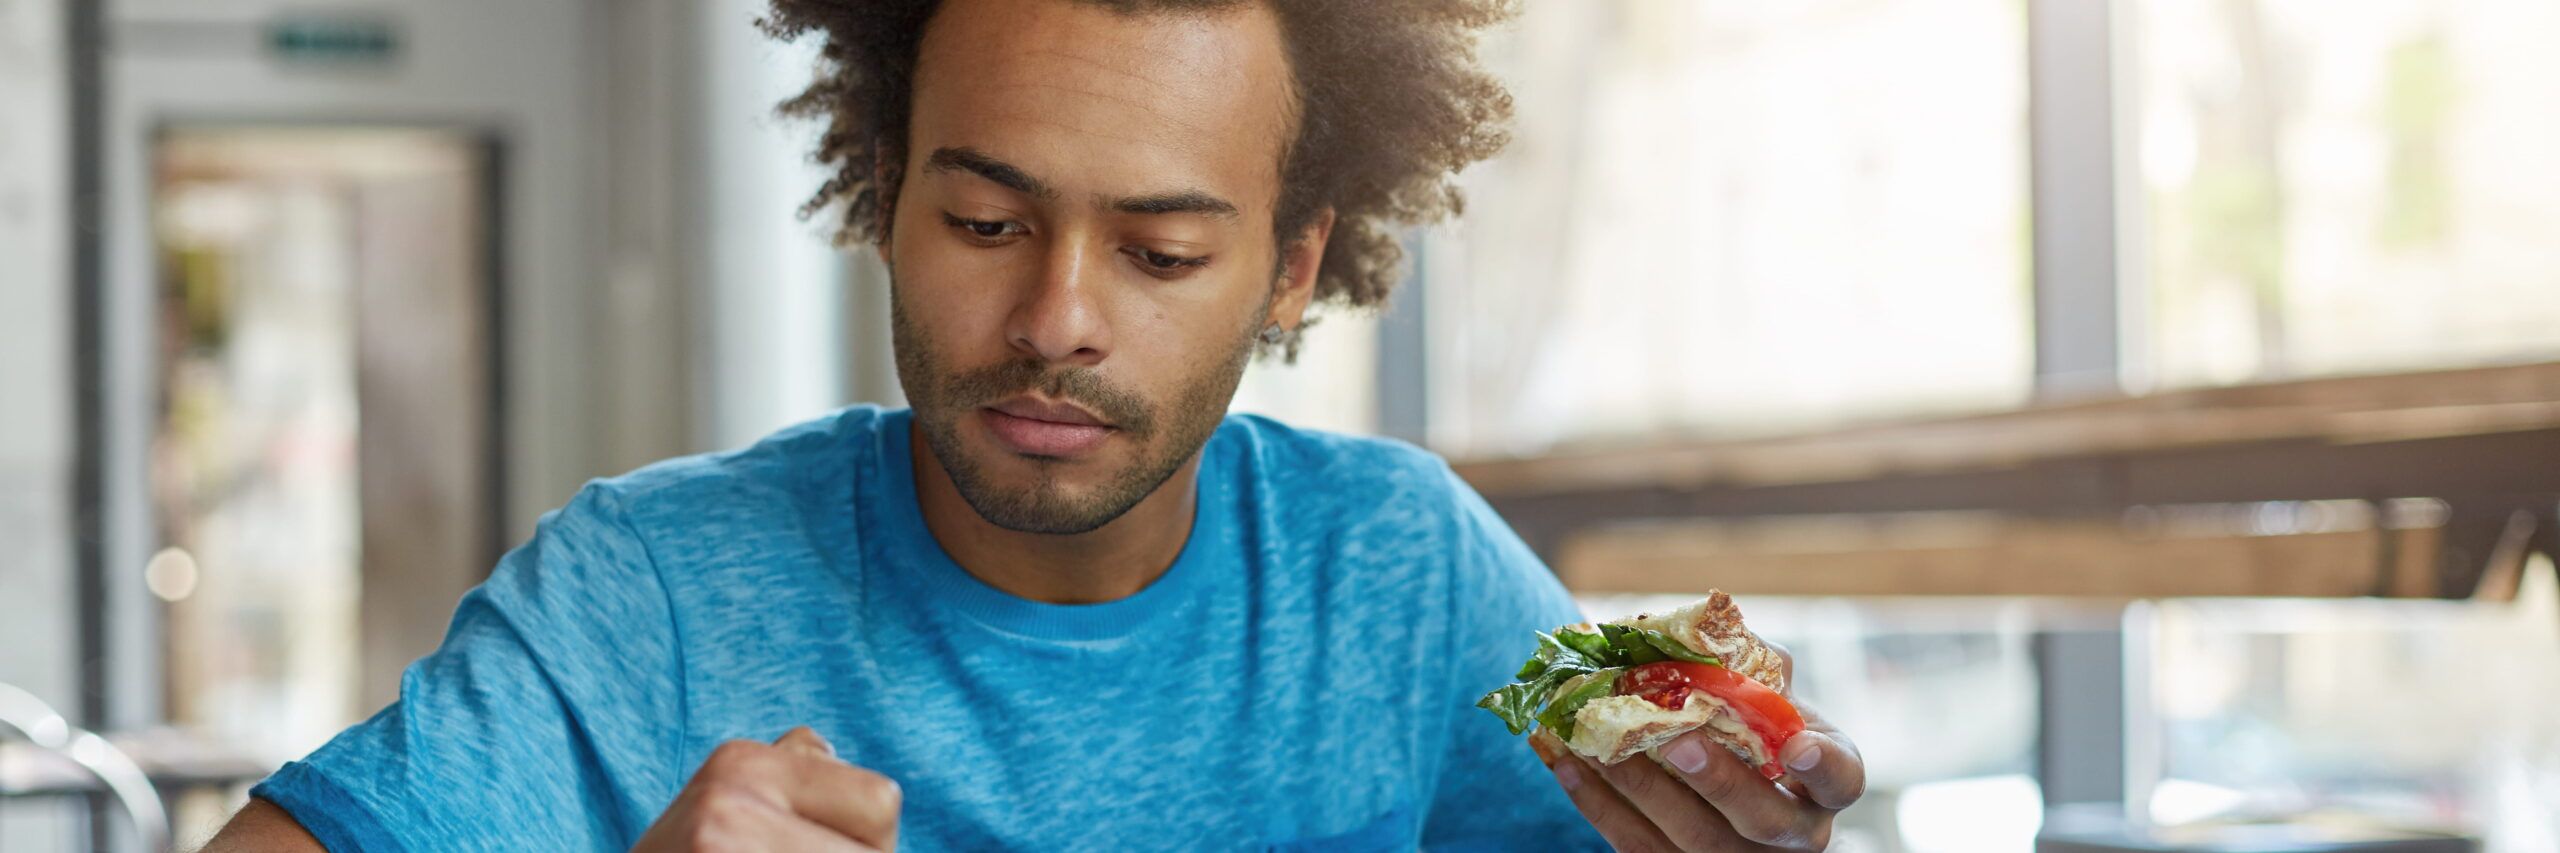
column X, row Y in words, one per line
column 1619, row 823
column 1757, row 809
column 1828, row 767
column 795, row 832
column 859, row 804
column 1672, row 807
column 806, row 740
column 851, row 817
column 728, row 817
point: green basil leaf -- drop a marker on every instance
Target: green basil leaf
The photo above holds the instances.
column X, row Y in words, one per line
column 1630, row 648
column 1616, row 633
column 1516, row 704
column 1560, row 658
column 1549, row 651
column 1594, row 648
column 1676, row 650
column 1552, row 664
column 1640, row 652
column 1558, row 716
column 1646, row 645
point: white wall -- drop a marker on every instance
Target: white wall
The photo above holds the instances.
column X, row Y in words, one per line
column 770, row 288
column 36, row 624
column 35, row 347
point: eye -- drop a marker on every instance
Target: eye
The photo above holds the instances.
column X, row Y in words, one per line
column 984, row 230
column 1164, row 264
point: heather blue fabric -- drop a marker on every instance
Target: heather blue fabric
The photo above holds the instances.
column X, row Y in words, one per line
column 1302, row 678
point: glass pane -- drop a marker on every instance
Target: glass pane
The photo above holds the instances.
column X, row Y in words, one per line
column 1725, row 216
column 1332, row 386
column 2348, row 187
column 321, row 345
column 2423, row 714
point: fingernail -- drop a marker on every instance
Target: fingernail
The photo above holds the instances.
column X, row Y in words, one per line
column 1687, row 755
column 1570, row 774
column 1802, row 753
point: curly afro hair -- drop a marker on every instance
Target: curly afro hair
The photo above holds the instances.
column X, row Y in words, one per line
column 1391, row 104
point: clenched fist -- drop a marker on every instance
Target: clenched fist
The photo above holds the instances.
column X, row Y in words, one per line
column 791, row 794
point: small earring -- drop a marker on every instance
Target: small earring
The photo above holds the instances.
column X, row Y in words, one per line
column 1271, row 334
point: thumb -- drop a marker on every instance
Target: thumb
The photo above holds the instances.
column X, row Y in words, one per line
column 805, row 739
column 1827, row 766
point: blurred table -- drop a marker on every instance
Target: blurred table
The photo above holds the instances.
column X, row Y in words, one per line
column 173, row 763
column 2065, row 834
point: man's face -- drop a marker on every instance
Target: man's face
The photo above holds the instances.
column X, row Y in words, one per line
column 1082, row 247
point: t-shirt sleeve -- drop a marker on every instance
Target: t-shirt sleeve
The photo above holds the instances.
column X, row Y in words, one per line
column 1493, row 794
column 547, row 720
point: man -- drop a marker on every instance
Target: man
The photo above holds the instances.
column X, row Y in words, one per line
column 1063, row 603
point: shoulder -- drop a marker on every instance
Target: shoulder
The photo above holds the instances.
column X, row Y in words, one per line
column 1396, row 510
column 637, row 548
column 1374, row 489
column 705, row 492
column 1306, row 467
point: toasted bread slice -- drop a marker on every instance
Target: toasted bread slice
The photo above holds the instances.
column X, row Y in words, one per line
column 1614, row 728
column 1714, row 625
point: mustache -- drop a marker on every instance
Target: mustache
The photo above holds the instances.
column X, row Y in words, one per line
column 1083, row 385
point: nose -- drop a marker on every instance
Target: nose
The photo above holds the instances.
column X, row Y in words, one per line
column 1059, row 319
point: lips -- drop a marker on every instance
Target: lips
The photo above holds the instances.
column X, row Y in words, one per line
column 1036, row 427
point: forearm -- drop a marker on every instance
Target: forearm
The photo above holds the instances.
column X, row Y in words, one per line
column 262, row 826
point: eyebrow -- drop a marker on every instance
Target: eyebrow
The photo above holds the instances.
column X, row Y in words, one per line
column 1009, row 176
column 977, row 162
column 1187, row 201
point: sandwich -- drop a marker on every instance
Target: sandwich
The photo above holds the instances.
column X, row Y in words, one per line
column 1625, row 687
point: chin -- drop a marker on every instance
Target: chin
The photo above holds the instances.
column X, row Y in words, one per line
column 1039, row 509
column 1035, row 494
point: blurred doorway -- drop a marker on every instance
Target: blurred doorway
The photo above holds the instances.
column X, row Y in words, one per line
column 326, row 443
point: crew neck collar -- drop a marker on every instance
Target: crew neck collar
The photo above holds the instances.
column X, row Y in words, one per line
column 919, row 557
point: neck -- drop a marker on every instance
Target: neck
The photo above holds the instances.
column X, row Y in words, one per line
column 1107, row 563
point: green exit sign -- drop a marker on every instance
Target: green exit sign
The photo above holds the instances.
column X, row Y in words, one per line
column 335, row 40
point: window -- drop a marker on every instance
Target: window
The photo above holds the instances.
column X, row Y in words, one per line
column 1728, row 216
column 1332, row 385
column 2348, row 187
column 2415, row 713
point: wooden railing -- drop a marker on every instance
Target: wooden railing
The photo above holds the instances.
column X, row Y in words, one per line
column 2433, row 484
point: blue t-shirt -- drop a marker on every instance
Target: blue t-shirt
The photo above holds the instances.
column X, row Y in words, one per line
column 1303, row 677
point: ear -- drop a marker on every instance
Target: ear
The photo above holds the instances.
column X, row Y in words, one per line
column 1299, row 261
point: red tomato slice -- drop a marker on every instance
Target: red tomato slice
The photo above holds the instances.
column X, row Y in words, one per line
column 1769, row 715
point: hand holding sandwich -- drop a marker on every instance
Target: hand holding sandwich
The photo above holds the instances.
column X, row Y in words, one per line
column 1711, row 801
column 791, row 794
column 1734, row 763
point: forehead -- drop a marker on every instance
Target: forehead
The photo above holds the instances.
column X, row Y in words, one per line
column 1089, row 99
